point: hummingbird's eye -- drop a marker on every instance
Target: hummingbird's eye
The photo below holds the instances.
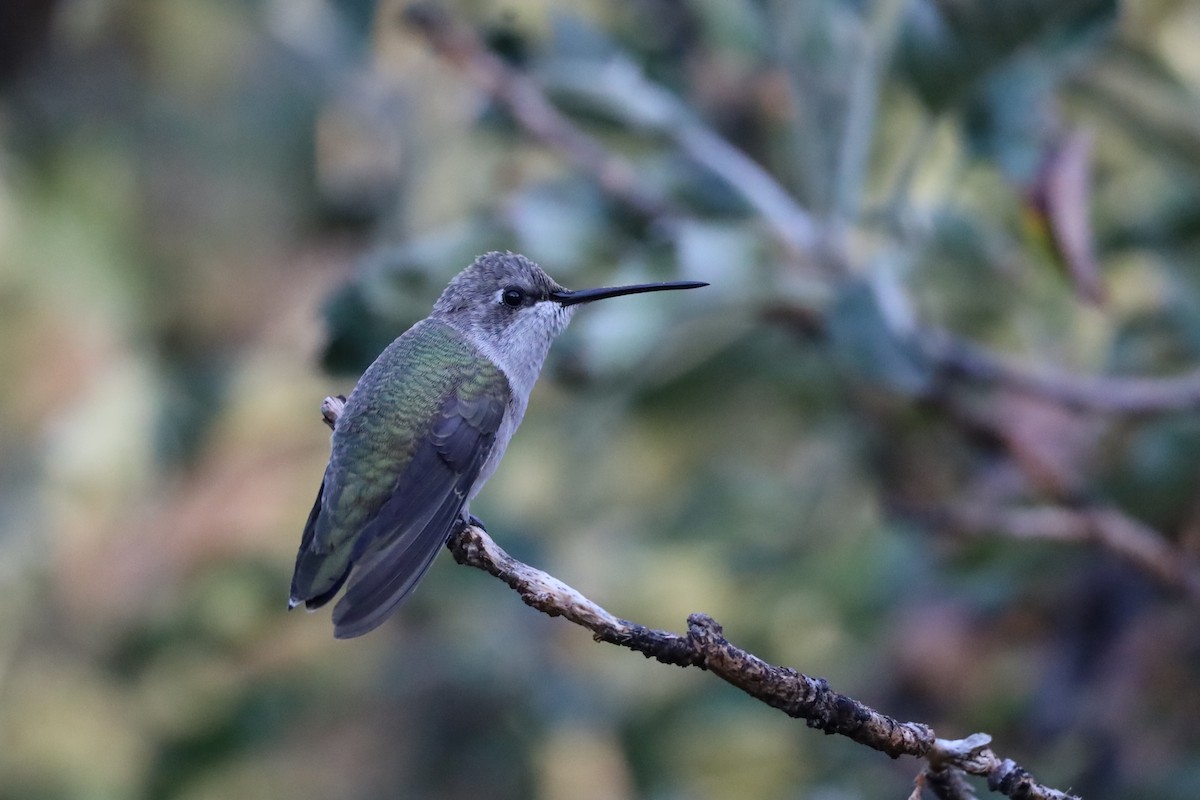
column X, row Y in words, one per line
column 513, row 296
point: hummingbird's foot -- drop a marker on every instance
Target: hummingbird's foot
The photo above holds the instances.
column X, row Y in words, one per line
column 463, row 544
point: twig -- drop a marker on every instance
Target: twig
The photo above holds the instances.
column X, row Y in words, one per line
column 794, row 693
column 705, row 646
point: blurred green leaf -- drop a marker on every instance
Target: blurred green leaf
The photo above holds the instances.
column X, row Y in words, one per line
column 563, row 225
column 719, row 252
column 947, row 46
column 1160, row 342
column 1155, row 473
column 1010, row 119
column 393, row 288
column 357, row 332
column 871, row 348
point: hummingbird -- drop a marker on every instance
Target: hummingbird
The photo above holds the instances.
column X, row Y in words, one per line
column 423, row 430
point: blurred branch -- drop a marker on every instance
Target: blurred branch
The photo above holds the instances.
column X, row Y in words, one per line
column 1112, row 529
column 959, row 359
column 525, row 100
column 795, row 694
column 792, row 225
column 1108, row 394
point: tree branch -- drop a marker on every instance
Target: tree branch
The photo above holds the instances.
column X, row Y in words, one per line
column 794, row 693
column 1112, row 529
column 703, row 646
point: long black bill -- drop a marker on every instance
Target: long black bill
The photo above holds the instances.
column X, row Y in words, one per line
column 569, row 298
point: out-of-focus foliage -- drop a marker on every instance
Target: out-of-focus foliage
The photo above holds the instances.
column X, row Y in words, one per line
column 203, row 202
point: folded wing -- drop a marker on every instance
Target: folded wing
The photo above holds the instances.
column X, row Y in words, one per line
column 400, row 542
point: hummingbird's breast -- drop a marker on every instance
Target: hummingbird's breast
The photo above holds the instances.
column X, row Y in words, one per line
column 519, row 354
column 514, row 412
column 512, row 418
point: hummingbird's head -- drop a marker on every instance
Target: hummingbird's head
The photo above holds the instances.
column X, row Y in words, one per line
column 504, row 296
column 513, row 310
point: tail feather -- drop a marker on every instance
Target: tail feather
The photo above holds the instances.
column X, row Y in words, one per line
column 310, row 584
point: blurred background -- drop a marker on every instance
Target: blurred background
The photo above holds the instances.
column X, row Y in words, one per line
column 213, row 213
